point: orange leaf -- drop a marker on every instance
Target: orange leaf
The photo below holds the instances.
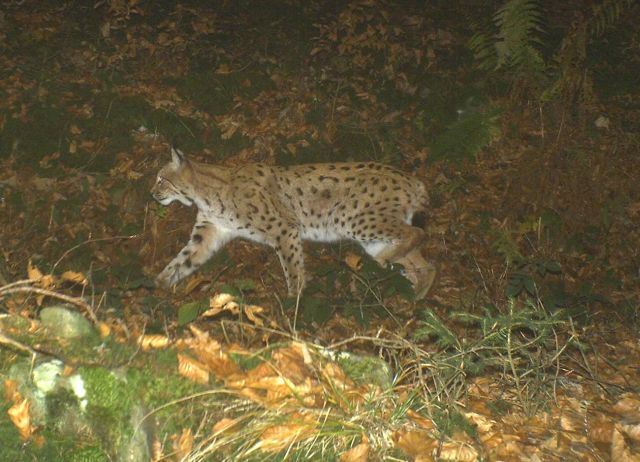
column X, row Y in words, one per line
column 33, row 272
column 192, row 369
column 148, row 342
column 73, row 276
column 104, row 329
column 281, row 436
column 414, row 443
column 11, row 390
column 359, row 453
column 223, row 425
column 21, row 418
column 353, row 261
column 184, row 444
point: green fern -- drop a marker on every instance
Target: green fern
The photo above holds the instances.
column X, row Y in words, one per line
column 520, row 24
column 573, row 82
column 512, row 39
column 467, row 136
column 606, row 15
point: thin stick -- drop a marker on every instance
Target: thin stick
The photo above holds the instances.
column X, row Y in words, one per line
column 49, row 293
column 89, row 241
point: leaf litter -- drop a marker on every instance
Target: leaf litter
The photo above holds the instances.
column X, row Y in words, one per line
column 65, row 199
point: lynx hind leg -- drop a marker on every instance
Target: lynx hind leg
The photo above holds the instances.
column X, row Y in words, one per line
column 394, row 241
column 400, row 243
column 418, row 271
column 204, row 242
column 288, row 247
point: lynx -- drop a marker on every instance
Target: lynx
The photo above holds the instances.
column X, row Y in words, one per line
column 370, row 203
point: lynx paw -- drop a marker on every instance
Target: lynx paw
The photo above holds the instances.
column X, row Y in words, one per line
column 169, row 276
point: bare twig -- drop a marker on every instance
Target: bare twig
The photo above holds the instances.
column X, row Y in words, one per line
column 89, row 241
column 17, row 345
column 50, row 293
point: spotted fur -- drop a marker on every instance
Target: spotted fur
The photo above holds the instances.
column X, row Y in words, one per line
column 370, row 203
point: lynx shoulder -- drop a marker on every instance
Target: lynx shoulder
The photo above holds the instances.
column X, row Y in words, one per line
column 370, row 203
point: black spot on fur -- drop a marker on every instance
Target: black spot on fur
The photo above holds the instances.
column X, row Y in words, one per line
column 197, row 238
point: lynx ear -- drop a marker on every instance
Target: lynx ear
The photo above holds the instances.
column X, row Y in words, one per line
column 177, row 157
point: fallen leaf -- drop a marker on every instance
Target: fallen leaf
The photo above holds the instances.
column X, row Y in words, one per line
column 353, row 261
column 414, row 443
column 183, row 444
column 282, row 436
column 148, row 342
column 192, row 369
column 104, row 329
column 73, row 276
column 21, row 417
column 223, row 425
column 359, row 453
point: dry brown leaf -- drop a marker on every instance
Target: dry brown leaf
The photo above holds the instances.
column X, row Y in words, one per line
column 601, row 431
column 210, row 352
column 156, row 342
column 252, row 312
column 221, row 302
column 183, row 445
column 33, row 272
column 353, row 261
column 336, row 376
column 631, row 431
column 458, row 451
column 359, row 453
column 223, row 425
column 414, row 443
column 156, row 450
column 282, row 436
column 193, row 282
column 11, row 390
column 290, row 362
column 21, row 417
column 424, row 422
column 46, row 282
column 104, row 329
column 620, row 451
column 304, row 351
column 628, row 406
column 75, row 277
column 192, row 369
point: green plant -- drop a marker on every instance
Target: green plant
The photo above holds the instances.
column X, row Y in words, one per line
column 524, row 342
column 512, row 39
column 465, row 137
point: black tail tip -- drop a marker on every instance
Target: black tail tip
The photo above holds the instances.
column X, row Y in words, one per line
column 419, row 220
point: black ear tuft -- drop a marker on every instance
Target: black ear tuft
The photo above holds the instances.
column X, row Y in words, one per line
column 177, row 156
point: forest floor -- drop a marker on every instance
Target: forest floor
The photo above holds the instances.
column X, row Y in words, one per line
column 526, row 348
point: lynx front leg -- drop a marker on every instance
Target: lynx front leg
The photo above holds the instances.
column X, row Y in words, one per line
column 205, row 240
column 288, row 247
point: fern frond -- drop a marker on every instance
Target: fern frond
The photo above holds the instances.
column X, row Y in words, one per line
column 467, row 136
column 607, row 14
column 483, row 45
column 520, row 25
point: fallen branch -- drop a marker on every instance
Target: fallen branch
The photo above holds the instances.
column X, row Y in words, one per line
column 14, row 288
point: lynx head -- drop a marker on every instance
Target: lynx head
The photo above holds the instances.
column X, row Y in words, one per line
column 173, row 182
